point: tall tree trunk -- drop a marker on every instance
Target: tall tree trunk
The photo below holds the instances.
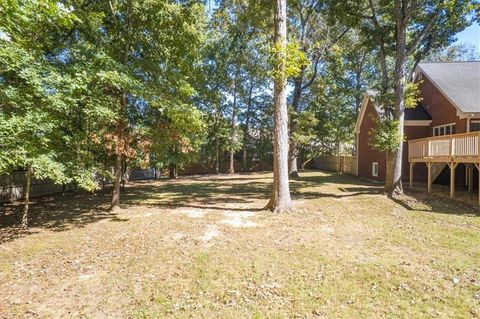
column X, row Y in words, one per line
column 297, row 93
column 124, row 173
column 116, row 182
column 117, row 171
column 217, row 157
column 393, row 179
column 173, row 173
column 121, row 124
column 247, row 126
column 231, row 170
column 244, row 158
column 28, row 178
column 280, row 200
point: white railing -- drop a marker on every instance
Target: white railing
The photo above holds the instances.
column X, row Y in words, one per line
column 457, row 145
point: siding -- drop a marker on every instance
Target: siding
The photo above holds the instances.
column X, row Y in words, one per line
column 366, row 154
column 439, row 108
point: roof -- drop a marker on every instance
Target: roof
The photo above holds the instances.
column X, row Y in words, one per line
column 361, row 111
column 417, row 114
column 458, row 81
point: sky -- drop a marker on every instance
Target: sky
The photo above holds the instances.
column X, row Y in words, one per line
column 470, row 35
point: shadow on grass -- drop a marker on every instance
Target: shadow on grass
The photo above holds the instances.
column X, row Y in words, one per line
column 56, row 213
column 435, row 203
column 59, row 213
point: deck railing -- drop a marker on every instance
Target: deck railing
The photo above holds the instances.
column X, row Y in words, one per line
column 456, row 145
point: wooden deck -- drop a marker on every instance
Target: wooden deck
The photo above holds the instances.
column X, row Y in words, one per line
column 456, row 148
column 450, row 150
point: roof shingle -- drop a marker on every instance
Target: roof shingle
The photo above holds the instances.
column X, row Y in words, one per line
column 459, row 81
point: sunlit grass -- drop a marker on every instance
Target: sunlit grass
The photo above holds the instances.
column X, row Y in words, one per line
column 347, row 252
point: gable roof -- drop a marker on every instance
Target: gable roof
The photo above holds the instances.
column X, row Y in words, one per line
column 417, row 116
column 362, row 110
column 458, row 81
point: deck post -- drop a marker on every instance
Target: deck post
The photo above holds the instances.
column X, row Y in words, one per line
column 477, row 165
column 470, row 178
column 452, row 166
column 429, row 184
column 412, row 164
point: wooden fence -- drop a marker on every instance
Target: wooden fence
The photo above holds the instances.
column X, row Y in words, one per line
column 12, row 187
column 339, row 164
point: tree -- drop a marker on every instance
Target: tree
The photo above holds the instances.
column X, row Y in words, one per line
column 315, row 35
column 151, row 53
column 280, row 200
column 236, row 72
column 175, row 137
column 34, row 97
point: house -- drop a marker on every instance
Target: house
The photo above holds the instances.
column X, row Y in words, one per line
column 442, row 131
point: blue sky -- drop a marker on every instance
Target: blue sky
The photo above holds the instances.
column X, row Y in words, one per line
column 470, row 35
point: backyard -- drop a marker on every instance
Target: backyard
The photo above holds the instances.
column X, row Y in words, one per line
column 203, row 247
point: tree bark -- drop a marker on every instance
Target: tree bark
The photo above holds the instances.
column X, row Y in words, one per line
column 217, row 157
column 121, row 124
column 297, row 94
column 116, row 182
column 246, row 128
column 280, row 200
column 393, row 179
column 124, row 173
column 117, row 172
column 28, row 178
column 244, row 157
column 231, row 170
column 173, row 173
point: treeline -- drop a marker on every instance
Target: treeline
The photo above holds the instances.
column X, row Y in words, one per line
column 89, row 88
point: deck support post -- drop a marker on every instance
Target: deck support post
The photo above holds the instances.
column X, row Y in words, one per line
column 470, row 177
column 452, row 166
column 412, row 164
column 429, row 183
column 477, row 165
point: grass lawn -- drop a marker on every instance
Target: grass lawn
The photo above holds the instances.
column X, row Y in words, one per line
column 202, row 247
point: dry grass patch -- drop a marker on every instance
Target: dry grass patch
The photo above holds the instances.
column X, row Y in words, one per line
column 202, row 247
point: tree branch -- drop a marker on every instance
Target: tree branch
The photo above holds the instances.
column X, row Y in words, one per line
column 424, row 32
column 319, row 55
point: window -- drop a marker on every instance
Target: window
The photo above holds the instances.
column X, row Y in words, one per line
column 444, row 129
column 375, row 169
column 474, row 125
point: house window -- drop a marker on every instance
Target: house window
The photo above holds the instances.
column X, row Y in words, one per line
column 444, row 129
column 474, row 125
column 375, row 169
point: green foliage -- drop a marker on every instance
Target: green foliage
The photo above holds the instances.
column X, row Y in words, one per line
column 33, row 103
column 178, row 136
column 385, row 135
column 412, row 94
column 292, row 58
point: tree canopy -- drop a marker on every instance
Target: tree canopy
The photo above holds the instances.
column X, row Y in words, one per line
column 91, row 89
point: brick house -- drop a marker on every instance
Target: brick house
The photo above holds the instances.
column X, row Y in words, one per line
column 441, row 130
